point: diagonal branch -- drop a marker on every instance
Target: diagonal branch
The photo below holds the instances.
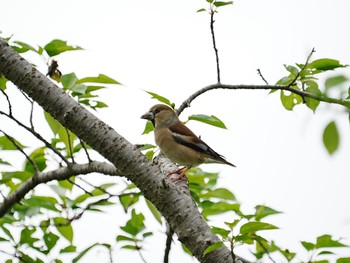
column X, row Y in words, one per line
column 175, row 204
column 59, row 174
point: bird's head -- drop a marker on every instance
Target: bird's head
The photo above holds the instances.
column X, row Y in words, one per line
column 161, row 115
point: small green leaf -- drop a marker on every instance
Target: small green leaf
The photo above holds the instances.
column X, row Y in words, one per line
column 287, row 100
column 335, row 81
column 7, row 144
column 3, row 82
column 312, row 103
column 161, row 99
column 68, row 249
column 220, row 231
column 135, row 225
column 292, row 70
column 157, row 215
column 327, row 241
column 212, row 120
column 101, row 78
column 221, row 193
column 325, row 64
column 213, row 247
column 50, row 240
column 343, row 260
column 219, row 208
column 57, row 46
column 81, row 254
column 69, row 80
column 308, row 245
column 201, row 10
column 262, row 211
column 53, row 123
column 22, row 47
column 128, row 200
column 252, row 227
column 220, row 3
column 148, row 128
column 124, row 238
column 67, row 137
column 64, row 227
column 331, row 137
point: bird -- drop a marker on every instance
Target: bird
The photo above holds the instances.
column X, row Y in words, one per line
column 178, row 143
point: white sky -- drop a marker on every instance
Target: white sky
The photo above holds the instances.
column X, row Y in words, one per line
column 165, row 47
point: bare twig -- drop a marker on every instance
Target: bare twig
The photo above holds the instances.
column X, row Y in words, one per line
column 13, row 141
column 8, row 101
column 37, row 135
column 70, row 145
column 262, row 77
column 212, row 12
column 85, row 150
column 169, row 239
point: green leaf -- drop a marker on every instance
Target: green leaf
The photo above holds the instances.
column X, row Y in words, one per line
column 135, row 225
column 331, row 137
column 22, row 47
column 335, row 81
column 124, row 238
column 308, row 245
column 327, row 241
column 221, row 193
column 57, row 46
column 157, row 215
column 64, row 227
column 325, row 64
column 6, row 144
column 213, row 247
column 67, row 137
column 252, row 227
column 26, row 237
column 50, row 240
column 68, row 249
column 218, row 208
column 343, row 260
column 132, row 247
column 69, row 80
column 262, row 211
column 287, row 100
column 148, row 128
column 161, row 99
column 312, row 103
column 201, row 10
column 212, row 120
column 81, row 254
column 220, row 3
column 285, row 80
column 220, row 231
column 101, row 78
column 3, row 82
column 233, row 224
column 128, row 200
column 53, row 123
column 38, row 156
column 292, row 70
column 46, row 202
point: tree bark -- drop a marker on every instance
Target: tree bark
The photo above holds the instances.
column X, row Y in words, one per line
column 172, row 200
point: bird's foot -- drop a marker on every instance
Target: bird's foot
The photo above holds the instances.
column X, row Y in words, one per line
column 181, row 172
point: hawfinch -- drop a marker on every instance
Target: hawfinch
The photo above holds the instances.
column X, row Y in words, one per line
column 179, row 143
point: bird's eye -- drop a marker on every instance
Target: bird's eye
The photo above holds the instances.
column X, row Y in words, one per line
column 156, row 111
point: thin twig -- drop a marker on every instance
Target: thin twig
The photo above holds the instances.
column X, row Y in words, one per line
column 8, row 101
column 70, row 145
column 38, row 136
column 262, row 77
column 13, row 141
column 85, row 150
column 212, row 12
column 80, row 187
column 169, row 239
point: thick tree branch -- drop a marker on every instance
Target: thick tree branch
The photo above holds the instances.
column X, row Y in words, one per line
column 59, row 174
column 175, row 204
column 303, row 94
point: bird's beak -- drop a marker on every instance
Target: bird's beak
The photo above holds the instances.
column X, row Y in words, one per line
column 148, row 116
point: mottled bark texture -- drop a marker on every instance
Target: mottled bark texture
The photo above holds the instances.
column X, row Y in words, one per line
column 174, row 202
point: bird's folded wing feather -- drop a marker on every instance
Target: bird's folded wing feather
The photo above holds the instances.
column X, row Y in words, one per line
column 185, row 136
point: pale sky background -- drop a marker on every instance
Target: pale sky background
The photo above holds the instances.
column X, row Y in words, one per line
column 165, row 47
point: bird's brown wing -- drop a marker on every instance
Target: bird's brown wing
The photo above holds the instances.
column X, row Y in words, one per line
column 186, row 137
